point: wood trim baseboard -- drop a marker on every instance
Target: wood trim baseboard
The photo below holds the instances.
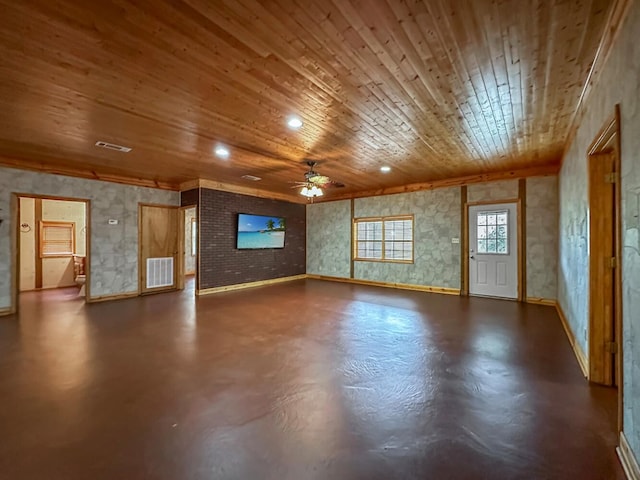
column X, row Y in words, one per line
column 577, row 350
column 400, row 286
column 115, row 296
column 6, row 311
column 628, row 459
column 242, row 286
column 541, row 301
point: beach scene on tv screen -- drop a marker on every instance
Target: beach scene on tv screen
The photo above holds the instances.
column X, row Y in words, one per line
column 258, row 231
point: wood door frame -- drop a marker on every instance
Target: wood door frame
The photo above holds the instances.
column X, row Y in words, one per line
column 608, row 141
column 182, row 243
column 520, row 241
column 15, row 243
column 179, row 263
column 193, row 220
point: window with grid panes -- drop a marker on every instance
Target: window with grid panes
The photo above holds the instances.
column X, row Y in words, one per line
column 387, row 239
column 57, row 239
column 493, row 232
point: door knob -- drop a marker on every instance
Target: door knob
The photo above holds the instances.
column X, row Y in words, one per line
column 471, row 256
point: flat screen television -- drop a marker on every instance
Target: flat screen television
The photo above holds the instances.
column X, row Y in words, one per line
column 259, row 231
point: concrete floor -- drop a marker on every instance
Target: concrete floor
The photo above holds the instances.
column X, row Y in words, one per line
column 303, row 380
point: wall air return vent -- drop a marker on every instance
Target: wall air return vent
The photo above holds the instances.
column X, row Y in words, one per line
column 159, row 272
column 253, row 178
column 113, row 146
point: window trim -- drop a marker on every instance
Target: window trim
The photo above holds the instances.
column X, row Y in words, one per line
column 46, row 223
column 383, row 219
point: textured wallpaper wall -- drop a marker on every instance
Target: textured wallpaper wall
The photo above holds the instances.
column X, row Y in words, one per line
column 114, row 248
column 619, row 83
column 329, row 238
column 542, row 237
column 437, row 221
column 502, row 190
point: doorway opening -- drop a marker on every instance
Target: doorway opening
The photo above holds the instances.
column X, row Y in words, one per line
column 52, row 254
column 605, row 252
column 190, row 247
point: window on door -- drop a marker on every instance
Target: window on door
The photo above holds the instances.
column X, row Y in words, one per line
column 493, row 232
column 384, row 239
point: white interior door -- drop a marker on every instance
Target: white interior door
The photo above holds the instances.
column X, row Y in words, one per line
column 493, row 250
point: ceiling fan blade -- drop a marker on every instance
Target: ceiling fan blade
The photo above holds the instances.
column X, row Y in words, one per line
column 319, row 180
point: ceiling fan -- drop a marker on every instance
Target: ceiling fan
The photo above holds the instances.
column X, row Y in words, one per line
column 314, row 182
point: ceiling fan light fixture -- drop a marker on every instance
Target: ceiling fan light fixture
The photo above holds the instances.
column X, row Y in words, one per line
column 311, row 191
column 294, row 123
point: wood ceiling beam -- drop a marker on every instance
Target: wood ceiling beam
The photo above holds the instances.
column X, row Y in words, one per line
column 36, row 166
column 252, row 192
column 541, row 171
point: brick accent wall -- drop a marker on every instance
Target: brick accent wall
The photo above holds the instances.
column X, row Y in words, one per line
column 189, row 197
column 221, row 263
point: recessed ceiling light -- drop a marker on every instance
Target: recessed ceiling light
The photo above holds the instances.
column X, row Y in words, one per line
column 222, row 151
column 294, row 123
column 385, row 169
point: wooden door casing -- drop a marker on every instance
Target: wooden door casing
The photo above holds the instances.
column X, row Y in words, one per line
column 601, row 268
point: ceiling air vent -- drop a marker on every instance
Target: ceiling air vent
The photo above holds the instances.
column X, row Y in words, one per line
column 113, row 146
column 253, row 178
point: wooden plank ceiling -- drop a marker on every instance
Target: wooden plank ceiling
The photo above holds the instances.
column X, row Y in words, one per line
column 434, row 89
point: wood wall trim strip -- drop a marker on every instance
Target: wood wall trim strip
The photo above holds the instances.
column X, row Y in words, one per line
column 115, row 296
column 542, row 171
column 242, row 286
column 6, row 311
column 577, row 350
column 542, row 301
column 522, row 239
column 628, row 459
column 37, row 229
column 198, row 256
column 464, row 242
column 611, row 29
column 15, row 255
column 87, row 174
column 352, row 264
column 252, row 192
column 400, row 286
